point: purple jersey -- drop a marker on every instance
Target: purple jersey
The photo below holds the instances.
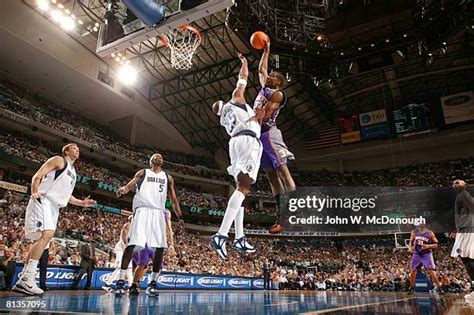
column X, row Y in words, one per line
column 262, row 99
column 420, row 239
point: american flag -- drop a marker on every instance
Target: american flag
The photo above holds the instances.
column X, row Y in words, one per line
column 323, row 138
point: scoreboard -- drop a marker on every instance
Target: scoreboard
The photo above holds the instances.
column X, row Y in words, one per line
column 412, row 118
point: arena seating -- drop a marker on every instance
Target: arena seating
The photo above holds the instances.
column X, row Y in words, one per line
column 319, row 264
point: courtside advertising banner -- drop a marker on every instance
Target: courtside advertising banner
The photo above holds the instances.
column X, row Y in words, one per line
column 64, row 276
column 57, row 276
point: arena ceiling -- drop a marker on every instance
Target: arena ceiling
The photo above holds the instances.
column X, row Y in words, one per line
column 323, row 85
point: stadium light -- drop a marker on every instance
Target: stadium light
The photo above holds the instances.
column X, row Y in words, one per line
column 127, row 74
column 56, row 16
column 43, row 5
column 67, row 23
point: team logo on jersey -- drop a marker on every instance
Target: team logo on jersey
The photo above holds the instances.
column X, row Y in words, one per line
column 70, row 174
column 39, row 224
column 249, row 168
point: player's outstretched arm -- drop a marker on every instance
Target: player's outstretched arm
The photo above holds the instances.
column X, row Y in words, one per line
column 131, row 184
column 238, row 94
column 52, row 164
column 263, row 65
column 174, row 201
column 86, row 202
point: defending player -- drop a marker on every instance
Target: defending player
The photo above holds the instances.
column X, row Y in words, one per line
column 275, row 155
column 245, row 150
column 422, row 242
column 149, row 223
column 51, row 189
column 464, row 236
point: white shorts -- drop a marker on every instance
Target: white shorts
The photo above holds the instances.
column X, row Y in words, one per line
column 40, row 215
column 464, row 244
column 148, row 227
column 245, row 153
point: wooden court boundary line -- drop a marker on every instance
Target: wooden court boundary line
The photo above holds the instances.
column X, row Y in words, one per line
column 355, row 306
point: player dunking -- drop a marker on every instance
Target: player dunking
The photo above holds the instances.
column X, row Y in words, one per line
column 275, row 152
column 149, row 223
column 422, row 242
column 464, row 236
column 245, row 150
column 51, row 189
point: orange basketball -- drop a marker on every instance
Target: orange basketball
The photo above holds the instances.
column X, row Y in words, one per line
column 258, row 40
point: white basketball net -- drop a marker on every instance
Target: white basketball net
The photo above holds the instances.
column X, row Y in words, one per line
column 183, row 43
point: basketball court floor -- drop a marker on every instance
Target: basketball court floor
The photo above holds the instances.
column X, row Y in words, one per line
column 238, row 302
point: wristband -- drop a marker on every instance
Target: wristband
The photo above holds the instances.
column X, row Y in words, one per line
column 242, row 82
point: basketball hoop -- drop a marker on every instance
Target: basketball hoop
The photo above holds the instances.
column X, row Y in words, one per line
column 183, row 43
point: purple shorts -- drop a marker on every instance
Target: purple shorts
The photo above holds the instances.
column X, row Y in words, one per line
column 425, row 260
column 143, row 257
column 275, row 152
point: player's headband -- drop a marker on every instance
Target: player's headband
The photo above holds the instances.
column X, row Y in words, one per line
column 151, row 159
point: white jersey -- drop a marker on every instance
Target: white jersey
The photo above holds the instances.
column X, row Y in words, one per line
column 151, row 191
column 58, row 185
column 236, row 118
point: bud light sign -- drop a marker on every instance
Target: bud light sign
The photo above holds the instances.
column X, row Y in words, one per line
column 257, row 284
column 175, row 281
column 240, row 283
column 210, row 282
column 56, row 277
column 64, row 276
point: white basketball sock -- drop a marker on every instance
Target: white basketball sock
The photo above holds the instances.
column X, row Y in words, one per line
column 31, row 267
column 123, row 272
column 239, row 224
column 233, row 207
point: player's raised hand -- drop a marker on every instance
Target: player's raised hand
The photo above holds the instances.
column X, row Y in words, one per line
column 88, row 202
column 242, row 57
column 266, row 48
column 121, row 191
